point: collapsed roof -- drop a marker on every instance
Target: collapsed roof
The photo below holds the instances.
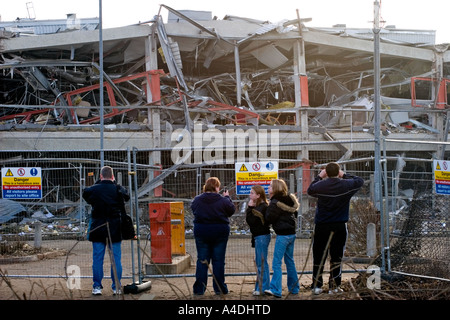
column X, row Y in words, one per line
column 235, row 70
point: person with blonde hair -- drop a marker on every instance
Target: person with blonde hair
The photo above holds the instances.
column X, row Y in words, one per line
column 211, row 231
column 255, row 217
column 282, row 214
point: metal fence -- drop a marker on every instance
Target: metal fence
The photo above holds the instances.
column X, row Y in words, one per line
column 415, row 233
column 417, row 229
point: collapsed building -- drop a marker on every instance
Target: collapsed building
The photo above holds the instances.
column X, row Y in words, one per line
column 311, row 84
column 311, row 88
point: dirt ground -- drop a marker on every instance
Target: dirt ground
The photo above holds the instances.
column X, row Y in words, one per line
column 171, row 287
column 240, row 288
column 162, row 288
column 179, row 288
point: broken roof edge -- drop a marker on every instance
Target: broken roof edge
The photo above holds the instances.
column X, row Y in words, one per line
column 73, row 38
column 325, row 39
column 242, row 29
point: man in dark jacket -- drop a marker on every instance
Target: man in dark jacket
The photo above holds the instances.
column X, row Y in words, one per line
column 107, row 200
column 334, row 189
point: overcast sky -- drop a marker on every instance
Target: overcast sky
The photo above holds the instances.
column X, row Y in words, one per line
column 404, row 14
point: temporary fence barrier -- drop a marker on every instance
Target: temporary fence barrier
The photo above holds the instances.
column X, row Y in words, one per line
column 410, row 235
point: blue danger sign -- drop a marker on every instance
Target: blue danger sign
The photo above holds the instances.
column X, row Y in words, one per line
column 249, row 174
column 21, row 183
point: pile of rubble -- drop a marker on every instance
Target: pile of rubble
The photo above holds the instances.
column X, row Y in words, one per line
column 15, row 220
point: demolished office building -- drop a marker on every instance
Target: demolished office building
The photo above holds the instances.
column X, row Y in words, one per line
column 313, row 84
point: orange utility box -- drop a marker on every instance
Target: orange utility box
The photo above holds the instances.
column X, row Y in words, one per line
column 178, row 233
column 167, row 231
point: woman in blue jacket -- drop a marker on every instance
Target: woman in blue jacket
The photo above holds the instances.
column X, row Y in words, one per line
column 211, row 230
column 333, row 189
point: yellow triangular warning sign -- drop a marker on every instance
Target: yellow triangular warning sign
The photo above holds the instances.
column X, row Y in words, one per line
column 9, row 173
column 438, row 167
column 243, row 168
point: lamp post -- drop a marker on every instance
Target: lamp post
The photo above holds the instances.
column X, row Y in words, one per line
column 377, row 129
column 100, row 53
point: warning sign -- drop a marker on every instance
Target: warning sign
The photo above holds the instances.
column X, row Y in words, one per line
column 21, row 183
column 249, row 174
column 442, row 176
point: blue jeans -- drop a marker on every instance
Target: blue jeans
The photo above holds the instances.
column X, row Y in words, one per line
column 209, row 249
column 284, row 247
column 98, row 254
column 261, row 249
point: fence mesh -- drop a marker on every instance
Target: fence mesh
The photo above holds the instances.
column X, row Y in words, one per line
column 420, row 236
column 417, row 218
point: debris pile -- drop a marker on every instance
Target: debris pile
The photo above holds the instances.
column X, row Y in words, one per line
column 231, row 71
column 395, row 287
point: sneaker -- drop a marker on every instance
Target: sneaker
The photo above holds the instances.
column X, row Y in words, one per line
column 335, row 291
column 317, row 291
column 97, row 291
column 270, row 293
column 117, row 291
column 218, row 293
column 256, row 293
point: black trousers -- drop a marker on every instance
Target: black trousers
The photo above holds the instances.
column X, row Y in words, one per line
column 322, row 233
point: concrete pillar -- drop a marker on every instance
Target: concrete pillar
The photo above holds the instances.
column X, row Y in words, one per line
column 37, row 234
column 371, row 240
column 153, row 114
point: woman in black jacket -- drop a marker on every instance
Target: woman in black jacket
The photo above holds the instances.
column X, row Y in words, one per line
column 282, row 214
column 255, row 217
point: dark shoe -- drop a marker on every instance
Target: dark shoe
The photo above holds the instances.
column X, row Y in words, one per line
column 219, row 293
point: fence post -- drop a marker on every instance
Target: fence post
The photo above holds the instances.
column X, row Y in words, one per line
column 80, row 206
column 37, row 235
column 371, row 240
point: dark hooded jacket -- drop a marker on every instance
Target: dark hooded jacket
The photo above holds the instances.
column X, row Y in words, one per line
column 334, row 196
column 282, row 213
column 108, row 202
column 255, row 217
column 211, row 212
column 256, row 220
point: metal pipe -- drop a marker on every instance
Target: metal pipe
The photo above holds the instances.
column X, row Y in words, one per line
column 130, row 186
column 377, row 126
column 136, row 205
column 238, row 75
column 385, row 204
column 100, row 53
